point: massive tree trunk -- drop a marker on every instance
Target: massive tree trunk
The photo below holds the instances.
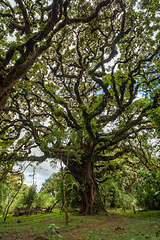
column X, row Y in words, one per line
column 91, row 201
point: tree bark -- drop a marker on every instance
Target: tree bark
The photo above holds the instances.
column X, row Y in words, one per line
column 91, row 200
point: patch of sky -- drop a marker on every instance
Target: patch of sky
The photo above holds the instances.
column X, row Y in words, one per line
column 41, row 172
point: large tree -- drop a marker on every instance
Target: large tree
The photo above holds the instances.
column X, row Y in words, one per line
column 79, row 103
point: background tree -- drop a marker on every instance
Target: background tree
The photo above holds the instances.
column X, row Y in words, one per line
column 49, row 186
column 25, row 202
column 13, row 188
column 80, row 105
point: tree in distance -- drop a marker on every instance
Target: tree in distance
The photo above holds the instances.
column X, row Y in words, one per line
column 79, row 102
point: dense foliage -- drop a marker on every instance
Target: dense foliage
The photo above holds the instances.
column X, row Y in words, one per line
column 148, row 191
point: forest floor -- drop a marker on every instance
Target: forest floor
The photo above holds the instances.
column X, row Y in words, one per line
column 115, row 225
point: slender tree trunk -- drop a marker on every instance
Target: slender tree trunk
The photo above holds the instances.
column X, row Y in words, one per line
column 65, row 200
column 64, row 191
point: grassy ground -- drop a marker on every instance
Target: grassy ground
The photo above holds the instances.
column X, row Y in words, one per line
column 116, row 225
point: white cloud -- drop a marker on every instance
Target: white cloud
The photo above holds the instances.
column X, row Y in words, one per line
column 42, row 172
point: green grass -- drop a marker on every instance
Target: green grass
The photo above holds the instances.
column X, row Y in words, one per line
column 117, row 225
column 139, row 213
